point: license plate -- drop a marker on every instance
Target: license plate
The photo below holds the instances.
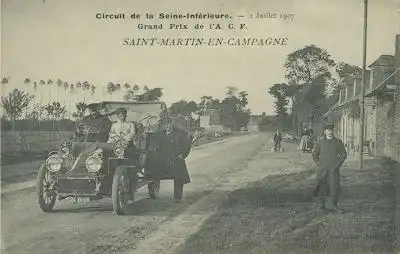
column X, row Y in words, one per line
column 83, row 199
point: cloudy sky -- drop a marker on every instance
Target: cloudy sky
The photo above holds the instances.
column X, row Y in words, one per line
column 63, row 39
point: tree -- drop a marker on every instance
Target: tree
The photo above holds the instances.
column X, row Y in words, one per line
column 243, row 98
column 183, row 108
column 131, row 92
column 126, row 88
column 348, row 72
column 4, row 80
column 308, row 71
column 231, row 91
column 110, row 88
column 92, row 89
column 233, row 111
column 14, row 104
column 153, row 94
column 304, row 65
column 85, row 88
column 35, row 113
column 55, row 111
column 80, row 111
column 279, row 92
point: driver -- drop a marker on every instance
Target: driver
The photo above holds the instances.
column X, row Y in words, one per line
column 96, row 124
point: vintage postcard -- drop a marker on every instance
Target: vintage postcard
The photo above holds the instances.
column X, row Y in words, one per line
column 202, row 126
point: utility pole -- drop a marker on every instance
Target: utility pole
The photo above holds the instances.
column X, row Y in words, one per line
column 363, row 80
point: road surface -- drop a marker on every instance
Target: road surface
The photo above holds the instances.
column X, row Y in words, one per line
column 217, row 171
column 93, row 228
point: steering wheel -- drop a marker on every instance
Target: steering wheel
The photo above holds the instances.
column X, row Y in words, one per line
column 147, row 119
column 89, row 132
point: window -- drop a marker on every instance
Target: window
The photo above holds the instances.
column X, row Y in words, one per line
column 390, row 81
column 371, row 78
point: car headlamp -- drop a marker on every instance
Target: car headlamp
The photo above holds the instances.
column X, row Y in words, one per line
column 64, row 151
column 54, row 163
column 93, row 164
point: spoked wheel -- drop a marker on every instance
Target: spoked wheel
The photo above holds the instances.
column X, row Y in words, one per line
column 154, row 189
column 46, row 189
column 120, row 190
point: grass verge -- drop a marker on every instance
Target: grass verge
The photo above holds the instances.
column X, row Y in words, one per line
column 278, row 215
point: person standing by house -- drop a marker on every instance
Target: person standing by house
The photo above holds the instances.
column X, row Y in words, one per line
column 329, row 155
column 277, row 141
column 303, row 134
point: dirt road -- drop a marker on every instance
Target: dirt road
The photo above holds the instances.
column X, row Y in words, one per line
column 221, row 212
column 93, row 228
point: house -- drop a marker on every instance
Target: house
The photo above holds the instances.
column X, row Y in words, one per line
column 382, row 108
column 252, row 126
column 210, row 120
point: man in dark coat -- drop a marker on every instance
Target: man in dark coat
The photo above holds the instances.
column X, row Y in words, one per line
column 329, row 155
column 168, row 161
column 96, row 124
column 92, row 128
column 277, row 141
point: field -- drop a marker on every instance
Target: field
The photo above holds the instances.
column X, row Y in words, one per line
column 29, row 144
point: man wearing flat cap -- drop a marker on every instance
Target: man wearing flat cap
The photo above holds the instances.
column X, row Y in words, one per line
column 329, row 155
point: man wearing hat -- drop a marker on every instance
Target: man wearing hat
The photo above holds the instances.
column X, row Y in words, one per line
column 174, row 147
column 329, row 155
column 96, row 124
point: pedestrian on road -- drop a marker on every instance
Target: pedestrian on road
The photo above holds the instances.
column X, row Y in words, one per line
column 329, row 155
column 277, row 141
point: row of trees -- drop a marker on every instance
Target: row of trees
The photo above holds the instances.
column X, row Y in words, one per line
column 314, row 82
column 63, row 91
column 19, row 104
column 232, row 110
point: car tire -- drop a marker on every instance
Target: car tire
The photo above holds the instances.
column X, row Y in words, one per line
column 43, row 185
column 154, row 189
column 120, row 190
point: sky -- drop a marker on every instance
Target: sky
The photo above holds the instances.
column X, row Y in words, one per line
column 42, row 39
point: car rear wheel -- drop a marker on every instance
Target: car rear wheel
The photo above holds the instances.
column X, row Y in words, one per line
column 120, row 190
column 154, row 189
column 46, row 189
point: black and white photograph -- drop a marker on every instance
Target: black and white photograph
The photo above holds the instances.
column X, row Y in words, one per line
column 200, row 127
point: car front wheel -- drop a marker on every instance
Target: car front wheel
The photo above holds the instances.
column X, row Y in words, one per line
column 46, row 189
column 120, row 190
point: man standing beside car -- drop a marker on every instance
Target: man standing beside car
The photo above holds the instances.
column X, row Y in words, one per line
column 329, row 155
column 176, row 146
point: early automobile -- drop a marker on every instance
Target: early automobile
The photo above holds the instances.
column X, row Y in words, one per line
column 89, row 167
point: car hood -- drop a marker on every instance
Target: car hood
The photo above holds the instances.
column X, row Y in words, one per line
column 82, row 151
